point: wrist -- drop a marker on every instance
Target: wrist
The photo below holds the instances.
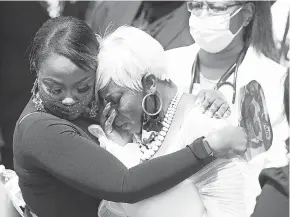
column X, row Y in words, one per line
column 199, row 149
column 212, row 141
column 207, row 147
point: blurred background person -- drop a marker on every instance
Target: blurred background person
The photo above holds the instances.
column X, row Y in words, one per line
column 233, row 52
column 19, row 21
column 274, row 198
column 166, row 21
column 281, row 20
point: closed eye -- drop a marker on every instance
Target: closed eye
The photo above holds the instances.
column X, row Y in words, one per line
column 55, row 91
column 84, row 89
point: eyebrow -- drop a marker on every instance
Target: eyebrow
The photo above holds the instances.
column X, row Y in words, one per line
column 84, row 79
column 57, row 82
column 51, row 80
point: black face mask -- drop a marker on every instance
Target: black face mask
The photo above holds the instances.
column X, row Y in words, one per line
column 57, row 108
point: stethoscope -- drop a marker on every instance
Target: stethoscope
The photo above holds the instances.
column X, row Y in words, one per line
column 233, row 69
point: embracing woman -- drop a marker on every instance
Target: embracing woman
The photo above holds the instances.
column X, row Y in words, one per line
column 61, row 167
column 140, row 99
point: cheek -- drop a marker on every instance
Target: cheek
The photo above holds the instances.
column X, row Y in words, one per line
column 130, row 107
column 87, row 98
column 236, row 22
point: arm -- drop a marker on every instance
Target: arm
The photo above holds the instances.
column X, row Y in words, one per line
column 61, row 151
column 271, row 202
column 274, row 199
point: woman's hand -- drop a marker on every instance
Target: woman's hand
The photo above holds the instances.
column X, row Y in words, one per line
column 228, row 142
column 129, row 154
column 105, row 143
column 213, row 104
column 106, row 120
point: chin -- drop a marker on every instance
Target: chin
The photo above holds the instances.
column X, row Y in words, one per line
column 73, row 117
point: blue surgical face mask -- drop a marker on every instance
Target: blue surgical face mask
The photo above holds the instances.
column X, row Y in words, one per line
column 212, row 33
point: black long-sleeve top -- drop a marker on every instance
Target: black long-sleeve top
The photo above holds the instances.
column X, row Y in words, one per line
column 274, row 198
column 64, row 173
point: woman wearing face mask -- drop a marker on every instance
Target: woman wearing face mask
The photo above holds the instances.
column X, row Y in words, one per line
column 233, row 51
column 62, row 170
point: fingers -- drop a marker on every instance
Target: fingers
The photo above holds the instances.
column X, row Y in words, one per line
column 109, row 122
column 97, row 131
column 227, row 113
column 105, row 114
column 210, row 101
column 200, row 98
column 223, row 111
column 214, row 108
column 205, row 104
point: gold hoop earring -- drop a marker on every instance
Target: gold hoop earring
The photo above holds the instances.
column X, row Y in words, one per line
column 144, row 101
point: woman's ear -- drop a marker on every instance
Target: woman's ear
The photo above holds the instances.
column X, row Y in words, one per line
column 248, row 13
column 149, row 83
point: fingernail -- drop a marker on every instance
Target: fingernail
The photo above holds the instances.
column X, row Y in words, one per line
column 197, row 102
column 208, row 113
column 217, row 116
column 200, row 109
column 203, row 110
column 226, row 115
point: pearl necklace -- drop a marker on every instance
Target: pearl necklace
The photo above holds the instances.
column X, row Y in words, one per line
column 154, row 146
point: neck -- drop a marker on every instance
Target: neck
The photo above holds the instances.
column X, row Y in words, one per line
column 222, row 59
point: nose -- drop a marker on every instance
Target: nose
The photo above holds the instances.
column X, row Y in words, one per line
column 68, row 101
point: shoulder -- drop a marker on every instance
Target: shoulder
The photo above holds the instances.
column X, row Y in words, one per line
column 279, row 177
column 36, row 127
column 257, row 65
column 40, row 119
column 177, row 54
column 196, row 124
column 180, row 59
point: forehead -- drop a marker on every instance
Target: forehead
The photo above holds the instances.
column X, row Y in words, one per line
column 110, row 89
column 62, row 69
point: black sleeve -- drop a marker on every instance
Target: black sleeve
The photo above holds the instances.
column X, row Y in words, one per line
column 271, row 202
column 58, row 149
column 274, row 198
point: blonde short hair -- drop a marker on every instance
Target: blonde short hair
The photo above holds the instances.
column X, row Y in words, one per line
column 126, row 55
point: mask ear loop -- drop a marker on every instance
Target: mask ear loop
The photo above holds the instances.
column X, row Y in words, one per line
column 236, row 12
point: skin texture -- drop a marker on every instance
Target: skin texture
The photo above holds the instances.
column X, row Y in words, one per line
column 128, row 105
column 65, row 82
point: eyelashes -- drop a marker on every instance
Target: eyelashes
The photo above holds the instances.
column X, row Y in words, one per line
column 58, row 91
column 84, row 89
